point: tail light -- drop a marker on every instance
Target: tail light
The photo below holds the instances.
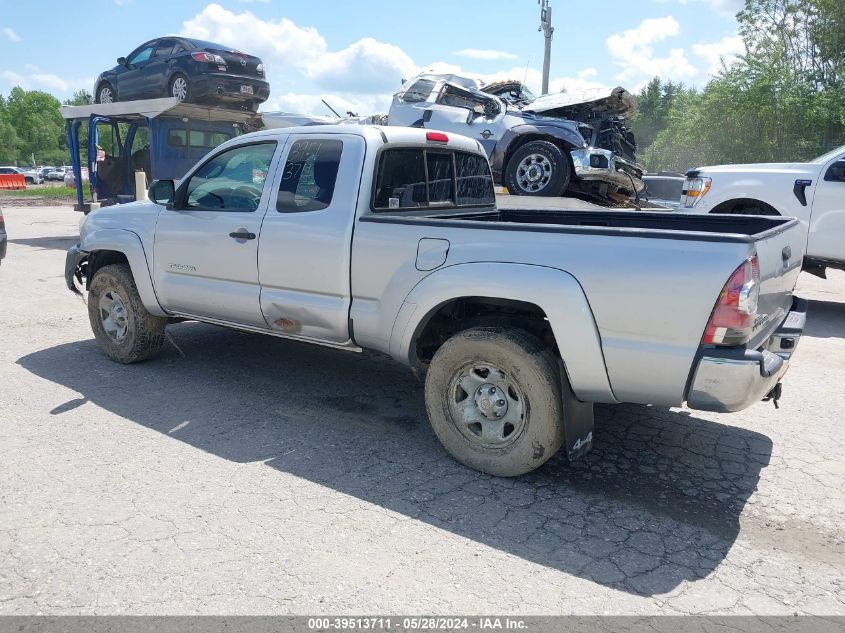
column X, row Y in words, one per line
column 695, row 188
column 211, row 58
column 260, row 69
column 732, row 321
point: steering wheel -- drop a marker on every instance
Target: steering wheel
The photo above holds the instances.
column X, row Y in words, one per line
column 250, row 193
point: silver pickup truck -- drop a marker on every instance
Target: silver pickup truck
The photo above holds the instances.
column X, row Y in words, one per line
column 390, row 239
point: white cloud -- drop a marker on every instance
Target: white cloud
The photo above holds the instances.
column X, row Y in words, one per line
column 714, row 54
column 10, row 34
column 365, row 66
column 633, row 52
column 294, row 55
column 281, row 43
column 38, row 80
column 299, row 103
column 476, row 53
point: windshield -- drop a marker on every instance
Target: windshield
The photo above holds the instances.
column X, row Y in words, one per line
column 830, row 155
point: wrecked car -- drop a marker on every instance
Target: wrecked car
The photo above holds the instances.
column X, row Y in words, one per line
column 576, row 143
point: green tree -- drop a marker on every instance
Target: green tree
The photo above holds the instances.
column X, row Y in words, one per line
column 784, row 100
column 38, row 124
column 80, row 97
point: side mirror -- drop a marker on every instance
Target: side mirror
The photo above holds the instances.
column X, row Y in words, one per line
column 162, row 192
column 121, row 61
column 836, row 172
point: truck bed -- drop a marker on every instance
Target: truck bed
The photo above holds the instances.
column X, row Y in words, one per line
column 721, row 228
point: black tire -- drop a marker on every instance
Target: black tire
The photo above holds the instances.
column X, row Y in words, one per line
column 144, row 333
column 171, row 87
column 531, row 373
column 553, row 170
column 101, row 93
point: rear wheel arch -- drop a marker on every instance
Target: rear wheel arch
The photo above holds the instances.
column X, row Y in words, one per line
column 462, row 313
column 506, row 295
column 745, row 206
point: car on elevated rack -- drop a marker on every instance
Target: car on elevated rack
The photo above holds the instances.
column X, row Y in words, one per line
column 191, row 70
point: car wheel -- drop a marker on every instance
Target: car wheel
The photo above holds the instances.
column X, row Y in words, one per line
column 180, row 88
column 493, row 397
column 105, row 93
column 125, row 331
column 538, row 168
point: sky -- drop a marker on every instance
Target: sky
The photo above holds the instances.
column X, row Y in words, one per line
column 355, row 54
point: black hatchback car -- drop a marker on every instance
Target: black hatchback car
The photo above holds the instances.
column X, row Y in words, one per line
column 190, row 70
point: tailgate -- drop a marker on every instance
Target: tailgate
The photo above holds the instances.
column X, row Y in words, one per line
column 780, row 253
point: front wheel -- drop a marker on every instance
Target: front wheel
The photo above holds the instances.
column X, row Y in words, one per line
column 493, row 397
column 125, row 331
column 105, row 93
column 538, row 168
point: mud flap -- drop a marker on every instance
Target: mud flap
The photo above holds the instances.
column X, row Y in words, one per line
column 577, row 420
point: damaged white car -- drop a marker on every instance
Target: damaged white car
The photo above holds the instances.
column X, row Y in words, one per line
column 577, row 143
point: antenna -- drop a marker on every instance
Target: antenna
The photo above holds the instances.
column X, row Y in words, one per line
column 330, row 108
column 548, row 31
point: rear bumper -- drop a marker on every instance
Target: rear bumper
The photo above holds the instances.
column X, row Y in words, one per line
column 732, row 378
column 228, row 88
column 601, row 165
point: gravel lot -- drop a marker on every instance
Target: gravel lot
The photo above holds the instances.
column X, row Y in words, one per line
column 252, row 475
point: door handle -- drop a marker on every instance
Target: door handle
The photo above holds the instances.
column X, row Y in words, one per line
column 242, row 234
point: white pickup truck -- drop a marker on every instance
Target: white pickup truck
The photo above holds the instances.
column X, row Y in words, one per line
column 813, row 192
column 390, row 239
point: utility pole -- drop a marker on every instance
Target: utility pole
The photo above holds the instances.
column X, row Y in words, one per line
column 548, row 32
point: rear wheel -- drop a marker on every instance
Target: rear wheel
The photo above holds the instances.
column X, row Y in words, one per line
column 105, row 93
column 493, row 398
column 179, row 87
column 538, row 168
column 125, row 331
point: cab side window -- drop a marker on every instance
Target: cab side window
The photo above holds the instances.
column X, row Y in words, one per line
column 141, row 56
column 309, row 176
column 231, row 181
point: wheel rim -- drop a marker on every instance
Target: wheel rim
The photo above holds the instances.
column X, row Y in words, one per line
column 533, row 173
column 487, row 405
column 180, row 88
column 106, row 95
column 113, row 316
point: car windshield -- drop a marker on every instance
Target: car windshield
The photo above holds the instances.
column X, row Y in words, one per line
column 830, row 155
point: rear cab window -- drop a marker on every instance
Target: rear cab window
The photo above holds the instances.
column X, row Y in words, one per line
column 417, row 178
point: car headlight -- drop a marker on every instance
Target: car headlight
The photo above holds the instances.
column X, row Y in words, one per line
column 695, row 188
column 260, row 69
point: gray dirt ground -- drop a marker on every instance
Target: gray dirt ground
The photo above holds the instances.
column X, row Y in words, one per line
column 255, row 475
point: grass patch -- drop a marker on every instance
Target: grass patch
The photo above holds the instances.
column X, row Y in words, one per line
column 57, row 193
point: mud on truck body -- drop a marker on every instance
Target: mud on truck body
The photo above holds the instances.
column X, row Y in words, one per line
column 546, row 146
